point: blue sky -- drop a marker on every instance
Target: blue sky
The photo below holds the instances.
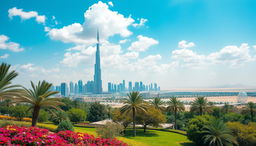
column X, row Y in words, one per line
column 176, row 43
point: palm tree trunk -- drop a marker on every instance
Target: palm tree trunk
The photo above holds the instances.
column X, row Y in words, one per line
column 200, row 111
column 145, row 127
column 133, row 118
column 175, row 119
column 35, row 115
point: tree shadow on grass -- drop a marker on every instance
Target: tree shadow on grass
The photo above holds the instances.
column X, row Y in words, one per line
column 187, row 144
column 139, row 132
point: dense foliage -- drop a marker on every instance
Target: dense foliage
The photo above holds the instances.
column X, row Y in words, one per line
column 97, row 112
column 76, row 115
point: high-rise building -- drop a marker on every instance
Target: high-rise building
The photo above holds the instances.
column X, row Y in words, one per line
column 63, row 89
column 80, row 87
column 130, row 86
column 109, row 87
column 76, row 89
column 123, row 86
column 97, row 70
column 71, row 88
column 90, row 86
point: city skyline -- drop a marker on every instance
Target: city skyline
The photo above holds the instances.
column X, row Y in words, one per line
column 199, row 44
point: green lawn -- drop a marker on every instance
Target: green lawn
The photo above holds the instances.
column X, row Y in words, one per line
column 150, row 138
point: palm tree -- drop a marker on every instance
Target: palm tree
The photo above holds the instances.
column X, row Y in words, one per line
column 251, row 108
column 217, row 134
column 200, row 105
column 133, row 105
column 39, row 97
column 175, row 106
column 157, row 103
column 228, row 108
column 7, row 90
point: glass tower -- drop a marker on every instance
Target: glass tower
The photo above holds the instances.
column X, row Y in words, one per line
column 97, row 70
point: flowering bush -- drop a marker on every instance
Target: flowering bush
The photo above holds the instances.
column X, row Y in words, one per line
column 3, row 117
column 14, row 135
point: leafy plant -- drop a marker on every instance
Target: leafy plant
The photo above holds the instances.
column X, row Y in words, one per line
column 65, row 125
column 109, row 130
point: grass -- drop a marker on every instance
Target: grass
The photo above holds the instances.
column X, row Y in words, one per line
column 150, row 138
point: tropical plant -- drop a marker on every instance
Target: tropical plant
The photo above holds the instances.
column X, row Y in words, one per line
column 7, row 90
column 133, row 105
column 251, row 109
column 216, row 133
column 43, row 116
column 152, row 117
column 157, row 103
column 228, row 108
column 195, row 127
column 200, row 105
column 175, row 106
column 39, row 97
column 58, row 116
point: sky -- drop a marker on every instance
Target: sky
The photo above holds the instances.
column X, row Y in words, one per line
column 175, row 43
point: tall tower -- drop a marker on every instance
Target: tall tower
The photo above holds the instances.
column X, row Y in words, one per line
column 97, row 70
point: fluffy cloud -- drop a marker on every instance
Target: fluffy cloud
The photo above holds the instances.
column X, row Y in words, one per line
column 5, row 44
column 4, row 56
column 26, row 15
column 34, row 69
column 98, row 16
column 123, row 41
column 142, row 22
column 184, row 44
column 142, row 44
column 231, row 55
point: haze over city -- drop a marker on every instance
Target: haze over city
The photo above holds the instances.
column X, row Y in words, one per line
column 199, row 44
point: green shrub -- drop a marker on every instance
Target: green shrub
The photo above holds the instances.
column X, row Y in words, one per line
column 76, row 115
column 195, row 128
column 97, row 112
column 65, row 125
column 245, row 134
column 43, row 116
column 110, row 130
column 19, row 112
column 232, row 117
column 58, row 116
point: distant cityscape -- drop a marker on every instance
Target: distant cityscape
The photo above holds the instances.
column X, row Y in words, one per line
column 81, row 88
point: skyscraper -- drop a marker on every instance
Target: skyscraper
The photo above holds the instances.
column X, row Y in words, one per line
column 71, row 88
column 97, row 70
column 63, row 89
column 80, row 87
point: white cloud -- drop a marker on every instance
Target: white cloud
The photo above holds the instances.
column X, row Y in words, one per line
column 98, row 16
column 26, row 15
column 142, row 44
column 111, row 4
column 231, row 55
column 4, row 56
column 5, row 44
column 35, row 69
column 184, row 44
column 131, row 55
column 142, row 22
column 123, row 41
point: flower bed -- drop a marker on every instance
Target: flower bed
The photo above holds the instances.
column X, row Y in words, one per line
column 14, row 135
column 3, row 117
